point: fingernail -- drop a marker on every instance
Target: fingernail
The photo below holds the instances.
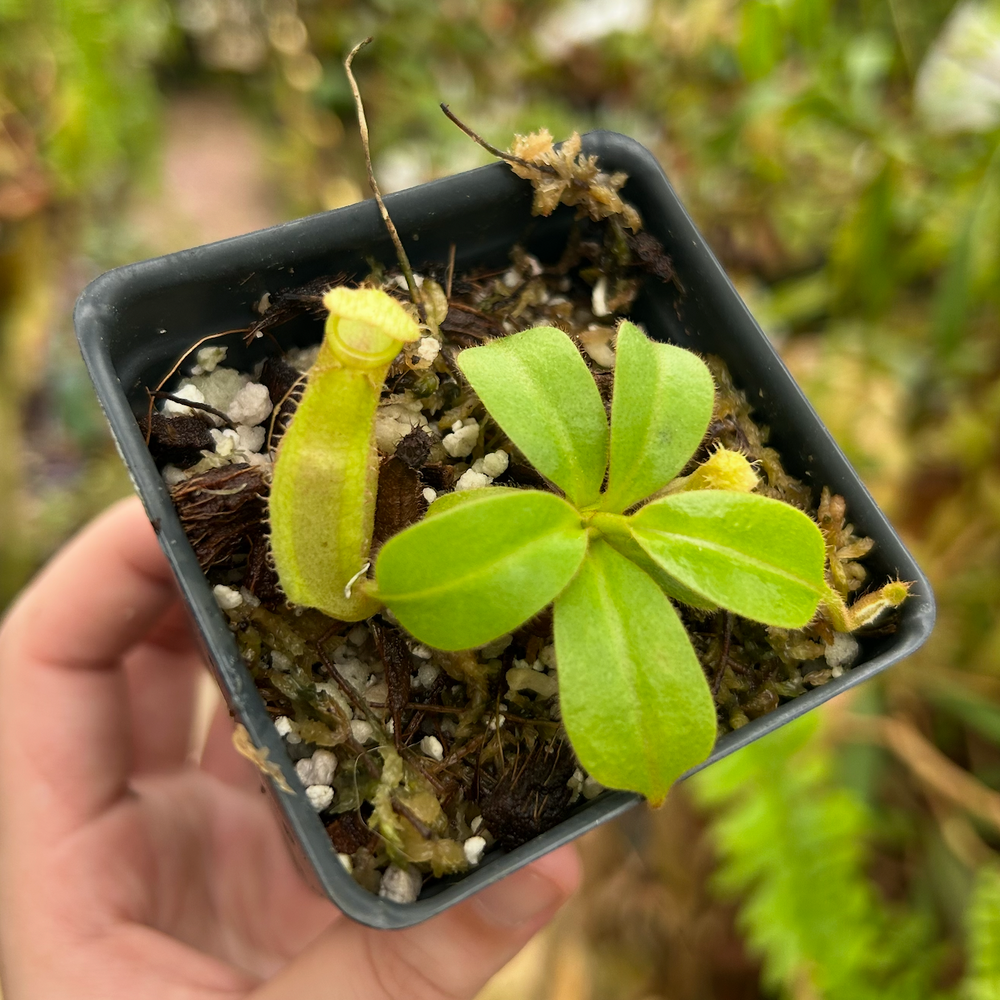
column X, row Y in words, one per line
column 518, row 898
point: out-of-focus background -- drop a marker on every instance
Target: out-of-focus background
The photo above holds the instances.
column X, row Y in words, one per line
column 842, row 158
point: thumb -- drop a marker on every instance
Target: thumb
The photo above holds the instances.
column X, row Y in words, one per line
column 447, row 958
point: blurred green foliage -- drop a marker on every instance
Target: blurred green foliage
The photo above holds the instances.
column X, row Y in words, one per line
column 843, row 159
column 794, row 840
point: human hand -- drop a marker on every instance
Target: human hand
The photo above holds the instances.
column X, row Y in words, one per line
column 129, row 872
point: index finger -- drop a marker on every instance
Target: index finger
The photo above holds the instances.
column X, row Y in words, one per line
column 67, row 758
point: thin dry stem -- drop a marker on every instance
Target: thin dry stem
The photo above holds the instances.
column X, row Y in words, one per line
column 404, row 261
column 451, row 272
column 490, row 148
column 170, row 374
column 204, row 407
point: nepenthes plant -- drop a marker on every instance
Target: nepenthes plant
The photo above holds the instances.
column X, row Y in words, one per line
column 619, row 537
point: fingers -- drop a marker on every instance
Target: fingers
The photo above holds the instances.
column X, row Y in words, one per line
column 447, row 958
column 64, row 721
column 220, row 759
column 162, row 674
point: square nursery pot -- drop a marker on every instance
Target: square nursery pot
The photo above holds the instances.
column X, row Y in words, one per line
column 134, row 322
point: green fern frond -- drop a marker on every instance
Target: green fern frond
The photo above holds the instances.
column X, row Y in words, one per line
column 982, row 981
column 792, row 845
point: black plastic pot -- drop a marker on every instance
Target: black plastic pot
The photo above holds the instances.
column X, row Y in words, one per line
column 134, row 322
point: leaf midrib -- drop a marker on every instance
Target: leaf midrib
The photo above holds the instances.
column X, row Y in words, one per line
column 576, row 486
column 757, row 564
column 483, row 569
column 649, row 754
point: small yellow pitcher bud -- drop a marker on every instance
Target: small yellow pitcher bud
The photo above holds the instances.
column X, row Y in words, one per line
column 865, row 609
column 722, row 470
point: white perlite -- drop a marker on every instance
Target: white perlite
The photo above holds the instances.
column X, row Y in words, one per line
column 362, row 731
column 462, row 439
column 358, row 634
column 431, row 746
column 395, row 418
column 208, row 359
column 318, row 769
column 430, row 495
column 494, row 464
column 186, row 391
column 842, row 651
column 172, row 475
column 226, row 597
column 284, row 726
column 470, row 480
column 250, row 406
column 243, row 443
column 320, row 797
column 427, row 674
column 473, row 849
column 250, row 439
column 400, row 885
column 221, row 387
column 279, row 661
column 428, row 349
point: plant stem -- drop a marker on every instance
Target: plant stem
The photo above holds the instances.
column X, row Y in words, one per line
column 490, row 148
column 404, row 261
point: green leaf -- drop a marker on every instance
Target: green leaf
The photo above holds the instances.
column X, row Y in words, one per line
column 634, row 700
column 758, row 557
column 660, row 410
column 480, row 569
column 539, row 390
column 449, row 500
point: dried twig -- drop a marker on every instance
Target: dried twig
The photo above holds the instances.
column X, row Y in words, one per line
column 490, row 148
column 724, row 657
column 204, row 407
column 404, row 261
column 400, row 809
column 451, row 272
column 170, row 374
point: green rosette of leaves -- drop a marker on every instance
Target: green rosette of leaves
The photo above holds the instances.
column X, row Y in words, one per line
column 322, row 501
column 634, row 700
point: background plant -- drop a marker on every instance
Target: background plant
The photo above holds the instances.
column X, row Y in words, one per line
column 817, row 145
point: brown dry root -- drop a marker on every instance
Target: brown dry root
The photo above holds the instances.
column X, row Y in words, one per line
column 221, row 509
column 532, row 793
